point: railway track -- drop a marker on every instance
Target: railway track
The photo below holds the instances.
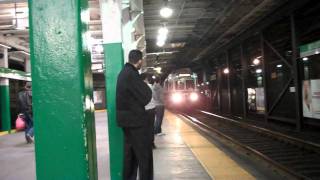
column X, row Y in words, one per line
column 295, row 157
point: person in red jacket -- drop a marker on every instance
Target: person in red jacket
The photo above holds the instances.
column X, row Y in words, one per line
column 25, row 105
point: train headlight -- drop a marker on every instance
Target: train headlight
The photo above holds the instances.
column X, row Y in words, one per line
column 176, row 97
column 194, row 96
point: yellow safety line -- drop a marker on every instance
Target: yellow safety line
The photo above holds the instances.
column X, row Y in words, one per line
column 2, row 133
column 218, row 165
column 101, row 110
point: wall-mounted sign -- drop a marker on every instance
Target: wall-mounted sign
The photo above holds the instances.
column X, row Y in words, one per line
column 213, row 77
column 310, row 49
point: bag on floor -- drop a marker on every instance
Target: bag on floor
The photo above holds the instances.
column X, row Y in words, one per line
column 20, row 123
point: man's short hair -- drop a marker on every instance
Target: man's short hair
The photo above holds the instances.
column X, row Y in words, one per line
column 135, row 56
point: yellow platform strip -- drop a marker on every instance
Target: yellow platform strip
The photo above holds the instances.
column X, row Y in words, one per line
column 218, row 165
column 7, row 132
column 101, row 110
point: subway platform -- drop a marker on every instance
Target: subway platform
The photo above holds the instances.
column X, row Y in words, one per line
column 181, row 154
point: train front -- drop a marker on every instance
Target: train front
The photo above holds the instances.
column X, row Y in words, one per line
column 181, row 92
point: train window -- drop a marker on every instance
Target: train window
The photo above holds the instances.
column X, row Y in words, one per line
column 179, row 85
column 169, row 86
column 190, row 84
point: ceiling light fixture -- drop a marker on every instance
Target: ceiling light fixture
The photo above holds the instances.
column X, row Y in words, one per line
column 163, row 31
column 258, row 71
column 256, row 61
column 160, row 43
column 162, row 36
column 166, row 12
column 226, row 71
column 305, row 59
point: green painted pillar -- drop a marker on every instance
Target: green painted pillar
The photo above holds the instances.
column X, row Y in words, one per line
column 5, row 96
column 5, row 104
column 111, row 26
column 63, row 106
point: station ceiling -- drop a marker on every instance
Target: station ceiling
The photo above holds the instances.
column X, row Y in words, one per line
column 198, row 27
column 14, row 31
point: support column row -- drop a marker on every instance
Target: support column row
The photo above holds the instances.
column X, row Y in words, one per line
column 5, row 96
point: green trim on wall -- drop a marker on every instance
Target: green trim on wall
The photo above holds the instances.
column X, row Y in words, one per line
column 14, row 74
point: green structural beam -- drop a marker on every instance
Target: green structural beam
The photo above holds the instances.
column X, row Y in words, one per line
column 62, row 90
column 114, row 64
column 14, row 74
column 5, row 105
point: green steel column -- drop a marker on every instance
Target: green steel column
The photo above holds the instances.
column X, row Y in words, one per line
column 5, row 104
column 114, row 63
column 5, row 96
column 62, row 90
column 112, row 32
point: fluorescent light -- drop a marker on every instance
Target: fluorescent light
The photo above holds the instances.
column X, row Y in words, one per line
column 158, row 69
column 226, row 71
column 162, row 37
column 184, row 75
column 160, row 43
column 256, row 61
column 305, row 59
column 258, row 71
column 160, row 53
column 166, row 12
column 279, row 65
column 163, row 31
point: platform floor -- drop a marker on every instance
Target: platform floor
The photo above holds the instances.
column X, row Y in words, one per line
column 181, row 154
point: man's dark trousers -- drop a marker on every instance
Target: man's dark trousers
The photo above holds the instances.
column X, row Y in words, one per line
column 159, row 113
column 151, row 118
column 138, row 153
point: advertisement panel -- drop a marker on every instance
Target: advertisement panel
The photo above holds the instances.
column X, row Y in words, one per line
column 311, row 98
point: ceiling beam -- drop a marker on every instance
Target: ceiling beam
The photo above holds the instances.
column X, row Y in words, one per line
column 14, row 42
column 12, row 1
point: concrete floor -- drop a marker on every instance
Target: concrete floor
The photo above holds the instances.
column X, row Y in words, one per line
column 173, row 160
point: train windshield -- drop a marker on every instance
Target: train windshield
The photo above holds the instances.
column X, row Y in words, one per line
column 179, row 85
column 190, row 84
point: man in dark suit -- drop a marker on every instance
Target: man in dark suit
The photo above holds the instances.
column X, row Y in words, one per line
column 132, row 96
